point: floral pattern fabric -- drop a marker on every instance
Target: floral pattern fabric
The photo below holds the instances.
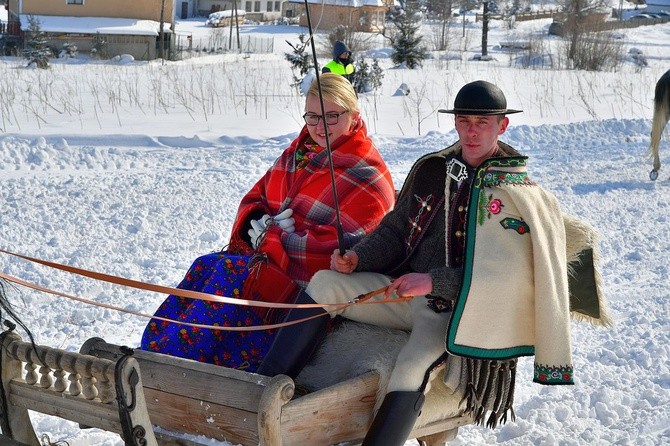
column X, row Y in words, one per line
column 222, row 274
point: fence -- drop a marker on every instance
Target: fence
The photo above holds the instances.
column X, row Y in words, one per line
column 630, row 23
column 521, row 16
column 219, row 43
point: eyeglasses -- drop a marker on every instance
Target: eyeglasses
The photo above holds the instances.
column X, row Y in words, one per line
column 331, row 118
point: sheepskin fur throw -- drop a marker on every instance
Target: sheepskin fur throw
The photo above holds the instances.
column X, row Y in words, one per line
column 353, row 349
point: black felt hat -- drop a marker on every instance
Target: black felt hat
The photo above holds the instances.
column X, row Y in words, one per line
column 480, row 98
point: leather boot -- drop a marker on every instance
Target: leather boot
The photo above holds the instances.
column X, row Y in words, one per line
column 294, row 344
column 395, row 419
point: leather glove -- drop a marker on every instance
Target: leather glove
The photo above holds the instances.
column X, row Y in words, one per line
column 284, row 220
column 257, row 230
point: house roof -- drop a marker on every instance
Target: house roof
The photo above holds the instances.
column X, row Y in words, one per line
column 350, row 3
column 93, row 25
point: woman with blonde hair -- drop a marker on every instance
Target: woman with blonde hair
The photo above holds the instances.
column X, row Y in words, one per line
column 284, row 232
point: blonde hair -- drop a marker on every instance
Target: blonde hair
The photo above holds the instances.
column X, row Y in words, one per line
column 336, row 89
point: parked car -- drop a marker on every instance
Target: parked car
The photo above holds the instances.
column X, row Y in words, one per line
column 557, row 29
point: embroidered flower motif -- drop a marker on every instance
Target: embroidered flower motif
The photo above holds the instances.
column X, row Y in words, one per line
column 553, row 374
column 520, row 226
column 495, row 206
column 487, row 206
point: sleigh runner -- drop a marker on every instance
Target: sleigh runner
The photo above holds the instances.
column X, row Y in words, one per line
column 173, row 401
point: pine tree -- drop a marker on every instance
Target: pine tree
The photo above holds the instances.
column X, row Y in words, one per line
column 99, row 46
column 38, row 52
column 367, row 78
column 299, row 58
column 405, row 40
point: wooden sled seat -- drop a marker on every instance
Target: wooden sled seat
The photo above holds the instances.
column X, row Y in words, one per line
column 187, row 400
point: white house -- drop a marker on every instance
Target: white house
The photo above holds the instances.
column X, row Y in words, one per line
column 260, row 10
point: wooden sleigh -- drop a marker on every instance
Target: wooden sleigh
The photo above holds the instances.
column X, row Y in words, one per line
column 150, row 398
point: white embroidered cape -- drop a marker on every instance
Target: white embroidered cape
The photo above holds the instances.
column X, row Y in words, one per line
column 515, row 298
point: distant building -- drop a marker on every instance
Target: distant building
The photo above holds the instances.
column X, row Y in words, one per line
column 257, row 10
column 359, row 15
column 133, row 27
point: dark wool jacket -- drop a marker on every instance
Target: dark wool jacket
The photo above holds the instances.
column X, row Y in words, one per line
column 394, row 249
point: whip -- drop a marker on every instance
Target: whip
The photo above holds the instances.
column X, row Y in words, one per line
column 340, row 235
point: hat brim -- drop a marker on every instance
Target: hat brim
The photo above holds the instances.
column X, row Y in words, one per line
column 480, row 112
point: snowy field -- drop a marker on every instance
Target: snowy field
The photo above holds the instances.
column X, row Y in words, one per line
column 136, row 169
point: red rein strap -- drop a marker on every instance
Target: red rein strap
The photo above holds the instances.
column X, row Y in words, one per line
column 182, row 293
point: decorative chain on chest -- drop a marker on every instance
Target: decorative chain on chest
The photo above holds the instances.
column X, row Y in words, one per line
column 415, row 224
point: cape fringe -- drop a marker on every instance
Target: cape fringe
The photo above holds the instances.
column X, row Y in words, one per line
column 489, row 391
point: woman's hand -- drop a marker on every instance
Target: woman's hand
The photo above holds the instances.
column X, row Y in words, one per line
column 257, row 230
column 284, row 220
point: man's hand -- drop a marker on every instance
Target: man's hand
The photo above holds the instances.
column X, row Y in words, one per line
column 410, row 285
column 343, row 264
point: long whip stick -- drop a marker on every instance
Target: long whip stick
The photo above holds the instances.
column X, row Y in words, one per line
column 340, row 235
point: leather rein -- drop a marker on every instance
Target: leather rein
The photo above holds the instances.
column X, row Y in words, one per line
column 130, row 283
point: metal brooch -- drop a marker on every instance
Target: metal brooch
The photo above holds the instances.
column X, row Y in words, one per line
column 456, row 170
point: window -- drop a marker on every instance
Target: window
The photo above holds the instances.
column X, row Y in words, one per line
column 75, row 2
column 277, row 6
column 257, row 6
column 247, row 6
column 269, row 7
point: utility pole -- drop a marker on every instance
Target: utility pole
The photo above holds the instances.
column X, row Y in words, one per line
column 237, row 28
column 485, row 30
column 161, row 35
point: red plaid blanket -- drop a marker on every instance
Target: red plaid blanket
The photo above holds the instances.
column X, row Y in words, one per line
column 365, row 192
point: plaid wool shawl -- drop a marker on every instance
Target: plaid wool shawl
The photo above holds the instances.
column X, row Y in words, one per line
column 364, row 189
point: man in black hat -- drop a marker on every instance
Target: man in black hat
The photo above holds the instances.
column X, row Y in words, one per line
column 420, row 251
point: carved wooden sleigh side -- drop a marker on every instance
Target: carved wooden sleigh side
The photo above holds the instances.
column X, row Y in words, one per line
column 88, row 390
column 185, row 399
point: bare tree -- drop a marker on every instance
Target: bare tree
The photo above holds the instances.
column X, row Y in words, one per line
column 441, row 10
column 579, row 14
column 485, row 30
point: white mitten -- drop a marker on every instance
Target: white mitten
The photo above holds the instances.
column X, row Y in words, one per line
column 257, row 230
column 284, row 220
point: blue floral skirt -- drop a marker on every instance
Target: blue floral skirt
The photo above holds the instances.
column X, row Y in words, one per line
column 218, row 273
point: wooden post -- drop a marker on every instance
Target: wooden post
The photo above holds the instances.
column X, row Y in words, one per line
column 485, row 30
column 17, row 421
column 161, row 34
column 237, row 27
column 278, row 392
column 233, row 14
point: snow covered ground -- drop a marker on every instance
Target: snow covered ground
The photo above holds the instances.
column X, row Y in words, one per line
column 136, row 169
